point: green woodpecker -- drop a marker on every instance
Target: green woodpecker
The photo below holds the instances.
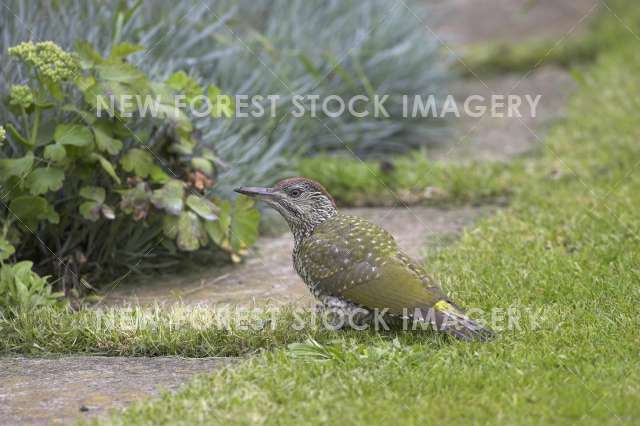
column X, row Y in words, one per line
column 353, row 265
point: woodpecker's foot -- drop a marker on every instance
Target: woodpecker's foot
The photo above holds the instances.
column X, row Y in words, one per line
column 338, row 313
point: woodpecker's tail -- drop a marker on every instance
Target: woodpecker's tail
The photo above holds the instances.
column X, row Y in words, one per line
column 452, row 320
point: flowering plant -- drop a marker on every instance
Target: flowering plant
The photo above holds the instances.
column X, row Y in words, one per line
column 88, row 193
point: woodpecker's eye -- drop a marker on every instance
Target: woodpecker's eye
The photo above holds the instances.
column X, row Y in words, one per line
column 295, row 193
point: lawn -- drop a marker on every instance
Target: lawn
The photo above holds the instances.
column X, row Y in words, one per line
column 565, row 255
column 413, row 179
column 568, row 247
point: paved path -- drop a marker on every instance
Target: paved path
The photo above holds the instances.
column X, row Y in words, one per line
column 268, row 275
column 463, row 22
column 496, row 138
column 60, row 390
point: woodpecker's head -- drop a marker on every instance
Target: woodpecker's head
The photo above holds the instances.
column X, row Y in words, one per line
column 304, row 203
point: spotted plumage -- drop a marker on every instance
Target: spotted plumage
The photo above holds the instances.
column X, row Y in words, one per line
column 351, row 264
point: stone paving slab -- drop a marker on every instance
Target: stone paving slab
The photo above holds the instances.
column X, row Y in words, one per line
column 268, row 275
column 471, row 21
column 64, row 389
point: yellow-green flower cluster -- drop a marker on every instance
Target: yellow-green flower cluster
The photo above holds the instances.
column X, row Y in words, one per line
column 48, row 59
column 21, row 96
column 3, row 134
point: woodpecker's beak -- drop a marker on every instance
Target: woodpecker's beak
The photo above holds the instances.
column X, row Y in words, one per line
column 256, row 192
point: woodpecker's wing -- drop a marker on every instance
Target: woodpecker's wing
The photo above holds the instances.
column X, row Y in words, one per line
column 356, row 260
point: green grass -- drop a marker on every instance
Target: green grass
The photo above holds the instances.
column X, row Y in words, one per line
column 493, row 58
column 568, row 246
column 571, row 50
column 178, row 330
column 412, row 179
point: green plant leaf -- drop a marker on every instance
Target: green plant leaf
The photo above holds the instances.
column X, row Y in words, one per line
column 138, row 161
column 85, row 82
column 311, row 350
column 105, row 97
column 203, row 207
column 106, row 166
column 183, row 146
column 106, row 143
column 203, row 165
column 55, row 152
column 175, row 115
column 221, row 105
column 73, row 134
column 30, row 209
column 21, row 289
column 340, row 70
column 163, row 93
column 124, row 49
column 244, row 224
column 120, row 72
column 22, row 293
column 45, row 179
column 158, row 175
column 87, row 53
column 191, row 234
column 211, row 156
column 93, row 193
column 95, row 208
column 309, row 66
column 16, row 135
column 6, row 249
column 45, row 133
column 54, row 88
column 90, row 210
column 169, row 197
column 218, row 230
column 135, row 200
column 86, row 116
column 170, row 226
column 180, row 81
column 15, row 166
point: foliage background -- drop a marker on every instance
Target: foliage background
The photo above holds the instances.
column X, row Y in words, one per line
column 273, row 47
